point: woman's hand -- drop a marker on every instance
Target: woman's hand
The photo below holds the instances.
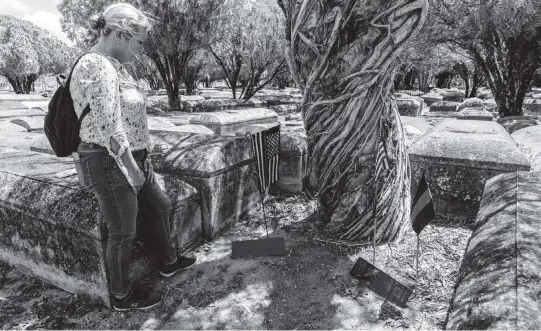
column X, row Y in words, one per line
column 138, row 178
column 149, row 170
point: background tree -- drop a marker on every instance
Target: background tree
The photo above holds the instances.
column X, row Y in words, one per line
column 501, row 37
column 145, row 69
column 180, row 28
column 342, row 55
column 247, row 43
column 27, row 52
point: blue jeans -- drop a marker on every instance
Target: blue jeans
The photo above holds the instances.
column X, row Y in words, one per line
column 120, row 205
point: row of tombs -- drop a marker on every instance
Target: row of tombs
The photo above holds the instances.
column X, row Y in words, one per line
column 54, row 230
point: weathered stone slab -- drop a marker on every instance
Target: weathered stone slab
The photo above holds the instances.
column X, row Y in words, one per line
column 431, row 98
column 409, row 107
column 30, row 123
column 20, row 140
column 479, row 114
column 158, row 123
column 458, row 157
column 515, row 123
column 229, row 122
column 491, row 105
column 472, row 103
column 531, row 106
column 42, row 145
column 415, row 93
column 294, row 162
column 7, row 113
column 21, row 97
column 454, row 95
column 206, row 106
column 444, row 106
column 220, row 168
column 414, row 128
column 43, row 104
column 485, row 95
column 528, row 140
column 54, row 229
column 285, row 109
column 274, row 100
column 499, row 285
column 7, row 127
column 189, row 128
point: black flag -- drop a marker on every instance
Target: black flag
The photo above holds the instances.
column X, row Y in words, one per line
column 422, row 207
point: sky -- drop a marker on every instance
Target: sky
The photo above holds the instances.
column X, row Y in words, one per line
column 43, row 13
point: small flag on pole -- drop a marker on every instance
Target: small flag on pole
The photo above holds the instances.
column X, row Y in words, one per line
column 266, row 146
column 422, row 210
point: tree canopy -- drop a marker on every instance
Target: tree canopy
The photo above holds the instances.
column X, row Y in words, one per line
column 27, row 52
column 499, row 36
column 177, row 35
column 247, row 41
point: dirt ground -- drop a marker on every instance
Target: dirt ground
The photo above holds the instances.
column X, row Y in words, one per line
column 309, row 288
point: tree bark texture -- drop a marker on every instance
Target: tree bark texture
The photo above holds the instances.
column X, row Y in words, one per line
column 342, row 55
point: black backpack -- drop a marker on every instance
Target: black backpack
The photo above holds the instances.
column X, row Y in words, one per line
column 61, row 124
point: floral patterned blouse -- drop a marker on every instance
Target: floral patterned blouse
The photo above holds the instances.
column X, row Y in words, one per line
column 117, row 106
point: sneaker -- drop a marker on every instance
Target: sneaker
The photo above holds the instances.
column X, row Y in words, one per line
column 136, row 300
column 183, row 262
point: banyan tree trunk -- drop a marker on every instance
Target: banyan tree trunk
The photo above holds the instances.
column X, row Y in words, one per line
column 342, row 55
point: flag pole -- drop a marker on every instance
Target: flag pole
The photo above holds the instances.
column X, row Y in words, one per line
column 417, row 264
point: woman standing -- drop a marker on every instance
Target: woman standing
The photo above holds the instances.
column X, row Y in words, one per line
column 113, row 153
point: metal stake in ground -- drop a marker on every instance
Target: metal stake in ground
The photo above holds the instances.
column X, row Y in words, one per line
column 375, row 279
column 266, row 148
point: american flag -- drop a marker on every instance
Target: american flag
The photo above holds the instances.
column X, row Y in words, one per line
column 266, row 147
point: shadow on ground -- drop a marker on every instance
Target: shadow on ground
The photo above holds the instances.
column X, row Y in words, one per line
column 309, row 288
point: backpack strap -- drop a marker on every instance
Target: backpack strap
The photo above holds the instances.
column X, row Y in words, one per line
column 86, row 110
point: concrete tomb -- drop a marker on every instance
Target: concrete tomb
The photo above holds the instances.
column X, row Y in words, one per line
column 230, row 121
column 531, row 106
column 474, row 114
column 444, row 106
column 54, row 229
column 409, row 106
column 30, row 123
column 458, row 157
column 528, row 140
column 431, row 98
column 500, row 276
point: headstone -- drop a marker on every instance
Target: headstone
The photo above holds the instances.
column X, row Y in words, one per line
column 458, row 157
column 444, row 106
column 498, row 281
column 474, row 114
column 230, row 121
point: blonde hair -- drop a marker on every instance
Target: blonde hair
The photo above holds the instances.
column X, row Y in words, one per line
column 121, row 17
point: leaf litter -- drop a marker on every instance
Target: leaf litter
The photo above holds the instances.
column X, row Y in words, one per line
column 312, row 286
